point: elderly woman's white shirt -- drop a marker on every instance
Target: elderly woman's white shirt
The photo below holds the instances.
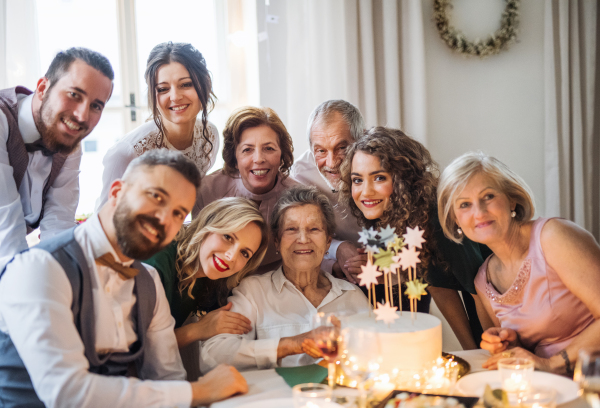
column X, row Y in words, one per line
column 276, row 309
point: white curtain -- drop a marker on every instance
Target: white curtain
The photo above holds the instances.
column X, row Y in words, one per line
column 369, row 52
column 21, row 62
column 572, row 112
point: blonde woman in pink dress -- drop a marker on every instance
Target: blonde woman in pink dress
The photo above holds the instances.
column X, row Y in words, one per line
column 539, row 289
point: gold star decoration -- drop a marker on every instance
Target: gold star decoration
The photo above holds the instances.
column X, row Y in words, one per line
column 415, row 289
column 383, row 259
column 396, row 244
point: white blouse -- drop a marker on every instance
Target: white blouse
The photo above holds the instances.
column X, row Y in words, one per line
column 147, row 137
column 276, row 309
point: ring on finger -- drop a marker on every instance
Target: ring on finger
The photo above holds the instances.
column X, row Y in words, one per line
column 507, row 354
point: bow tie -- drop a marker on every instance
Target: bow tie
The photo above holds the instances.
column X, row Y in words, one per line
column 125, row 272
column 38, row 145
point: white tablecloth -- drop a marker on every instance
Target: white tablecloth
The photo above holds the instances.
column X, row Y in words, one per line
column 266, row 384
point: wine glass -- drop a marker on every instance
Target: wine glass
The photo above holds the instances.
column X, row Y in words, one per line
column 361, row 355
column 326, row 336
column 587, row 374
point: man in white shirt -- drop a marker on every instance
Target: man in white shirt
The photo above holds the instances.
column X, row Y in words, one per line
column 332, row 127
column 79, row 318
column 39, row 145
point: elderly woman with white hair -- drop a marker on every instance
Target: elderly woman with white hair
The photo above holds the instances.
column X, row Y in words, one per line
column 540, row 287
column 280, row 304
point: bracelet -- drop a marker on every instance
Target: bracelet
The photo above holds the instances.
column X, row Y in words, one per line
column 565, row 356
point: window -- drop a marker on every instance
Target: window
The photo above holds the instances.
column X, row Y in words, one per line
column 125, row 31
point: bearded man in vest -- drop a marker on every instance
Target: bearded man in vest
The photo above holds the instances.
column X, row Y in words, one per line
column 84, row 324
column 39, row 145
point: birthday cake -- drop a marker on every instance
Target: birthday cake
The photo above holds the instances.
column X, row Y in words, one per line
column 406, row 343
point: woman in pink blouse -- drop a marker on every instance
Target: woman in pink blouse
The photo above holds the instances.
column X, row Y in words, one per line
column 541, row 285
column 258, row 155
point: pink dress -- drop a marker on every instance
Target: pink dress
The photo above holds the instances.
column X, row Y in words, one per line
column 538, row 306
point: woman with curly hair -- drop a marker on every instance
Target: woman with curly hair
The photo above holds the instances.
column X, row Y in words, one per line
column 258, row 154
column 206, row 261
column 180, row 97
column 390, row 178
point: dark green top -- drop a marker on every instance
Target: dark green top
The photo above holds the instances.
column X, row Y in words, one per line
column 463, row 261
column 182, row 305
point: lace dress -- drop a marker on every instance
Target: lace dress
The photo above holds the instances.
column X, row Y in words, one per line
column 147, row 137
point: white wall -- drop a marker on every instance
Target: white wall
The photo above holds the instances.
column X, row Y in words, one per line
column 496, row 104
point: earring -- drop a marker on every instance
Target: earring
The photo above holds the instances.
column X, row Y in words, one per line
column 459, row 231
column 513, row 214
column 276, row 252
column 326, row 252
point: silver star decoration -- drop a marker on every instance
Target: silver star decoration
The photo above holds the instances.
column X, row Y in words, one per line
column 364, row 236
column 373, row 249
column 387, row 235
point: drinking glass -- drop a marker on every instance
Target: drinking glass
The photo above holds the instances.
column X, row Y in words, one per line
column 326, row 336
column 361, row 356
column 538, row 397
column 310, row 394
column 587, row 375
column 516, row 375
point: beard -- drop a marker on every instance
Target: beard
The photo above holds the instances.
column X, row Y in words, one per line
column 323, row 171
column 132, row 243
column 46, row 122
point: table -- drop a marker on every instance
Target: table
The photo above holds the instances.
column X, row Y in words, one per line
column 267, row 384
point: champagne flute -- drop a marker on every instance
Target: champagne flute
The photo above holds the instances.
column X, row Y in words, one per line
column 587, row 374
column 361, row 355
column 326, row 336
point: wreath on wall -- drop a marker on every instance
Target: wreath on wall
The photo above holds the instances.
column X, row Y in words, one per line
column 496, row 42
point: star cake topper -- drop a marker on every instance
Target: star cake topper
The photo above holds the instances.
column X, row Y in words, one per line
column 386, row 312
column 415, row 289
column 407, row 258
column 414, row 237
column 384, row 259
column 369, row 274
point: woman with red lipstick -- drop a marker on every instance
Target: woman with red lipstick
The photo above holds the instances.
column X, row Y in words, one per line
column 388, row 178
column 180, row 97
column 208, row 258
column 281, row 304
column 541, row 285
column 258, row 155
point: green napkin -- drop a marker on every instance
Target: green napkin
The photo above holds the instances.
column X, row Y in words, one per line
column 313, row 373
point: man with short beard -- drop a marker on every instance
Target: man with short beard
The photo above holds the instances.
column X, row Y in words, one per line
column 80, row 316
column 332, row 127
column 39, row 145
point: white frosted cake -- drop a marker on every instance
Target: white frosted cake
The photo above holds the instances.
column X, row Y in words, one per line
column 405, row 344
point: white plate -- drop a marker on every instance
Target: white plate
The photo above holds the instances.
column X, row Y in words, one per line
column 284, row 403
column 473, row 385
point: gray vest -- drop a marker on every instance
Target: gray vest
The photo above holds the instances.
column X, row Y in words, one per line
column 17, row 155
column 16, row 389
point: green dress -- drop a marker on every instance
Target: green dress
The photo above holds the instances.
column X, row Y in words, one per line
column 182, row 305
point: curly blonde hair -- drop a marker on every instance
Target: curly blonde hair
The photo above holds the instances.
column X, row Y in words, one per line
column 415, row 177
column 222, row 216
